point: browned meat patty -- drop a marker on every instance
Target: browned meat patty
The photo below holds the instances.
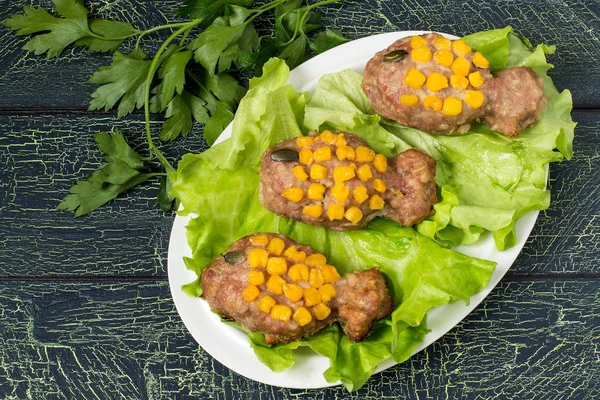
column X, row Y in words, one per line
column 273, row 285
column 441, row 86
column 335, row 180
column 516, row 100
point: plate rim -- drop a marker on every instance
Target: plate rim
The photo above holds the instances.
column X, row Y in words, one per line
column 301, row 76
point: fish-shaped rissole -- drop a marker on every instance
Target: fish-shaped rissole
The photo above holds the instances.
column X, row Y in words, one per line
column 270, row 284
column 334, row 179
column 439, row 85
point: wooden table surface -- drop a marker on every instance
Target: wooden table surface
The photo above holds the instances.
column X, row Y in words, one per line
column 85, row 306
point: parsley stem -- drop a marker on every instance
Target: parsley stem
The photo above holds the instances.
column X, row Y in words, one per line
column 153, row 67
column 166, row 26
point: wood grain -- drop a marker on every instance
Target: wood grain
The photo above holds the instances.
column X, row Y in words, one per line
column 571, row 25
column 44, row 154
column 85, row 307
column 529, row 339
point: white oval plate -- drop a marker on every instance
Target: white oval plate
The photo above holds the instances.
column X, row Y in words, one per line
column 230, row 346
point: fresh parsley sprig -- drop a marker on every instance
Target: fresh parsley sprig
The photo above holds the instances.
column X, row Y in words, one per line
column 188, row 78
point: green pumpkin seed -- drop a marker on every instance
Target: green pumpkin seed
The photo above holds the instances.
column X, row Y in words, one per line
column 395, row 56
column 284, row 155
column 235, row 257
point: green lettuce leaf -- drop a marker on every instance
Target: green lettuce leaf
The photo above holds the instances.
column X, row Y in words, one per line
column 220, row 188
column 486, row 181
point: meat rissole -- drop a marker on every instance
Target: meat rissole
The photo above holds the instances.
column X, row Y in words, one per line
column 333, row 179
column 294, row 298
column 441, row 86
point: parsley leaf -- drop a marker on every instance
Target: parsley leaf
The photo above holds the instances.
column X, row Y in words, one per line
column 180, row 112
column 295, row 52
column 124, row 169
column 172, row 73
column 124, row 79
column 210, row 45
column 208, row 10
column 107, row 30
column 326, row 40
column 73, row 27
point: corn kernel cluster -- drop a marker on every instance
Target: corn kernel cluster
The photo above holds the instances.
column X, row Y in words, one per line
column 453, row 54
column 327, row 146
column 299, row 277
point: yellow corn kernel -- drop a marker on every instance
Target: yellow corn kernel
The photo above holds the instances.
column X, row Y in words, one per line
column 300, row 173
column 421, row 54
column 302, row 316
column 330, row 274
column 452, row 106
column 256, row 277
column 340, row 192
column 379, row 185
column 294, row 194
column 327, row 292
column 250, row 293
column 292, row 292
column 266, row 303
column 380, row 163
column 318, row 172
column 343, row 173
column 461, row 66
column 327, row 136
column 433, row 102
column 316, row 259
column 442, row 43
column 409, row 100
column 276, row 266
column 376, row 202
column 293, row 254
column 360, row 194
column 305, row 156
column 414, row 78
column 321, row 311
column 276, row 246
column 322, row 154
column 344, row 153
column 340, row 140
column 315, row 278
column 314, row 211
column 436, row 82
column 476, row 79
column 418, row 41
column 303, row 141
column 281, row 312
column 353, row 166
column 261, row 240
column 335, row 211
column 275, row 284
column 353, row 214
column 460, row 47
column 474, row 98
column 364, row 154
column 480, row 61
column 311, row 296
column 459, row 82
column 258, row 258
column 444, row 57
column 364, row 173
column 315, row 191
column 298, row 272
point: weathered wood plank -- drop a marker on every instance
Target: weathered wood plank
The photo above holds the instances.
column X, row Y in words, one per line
column 42, row 155
column 98, row 339
column 571, row 25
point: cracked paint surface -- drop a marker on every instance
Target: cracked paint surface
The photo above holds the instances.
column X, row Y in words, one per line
column 85, row 308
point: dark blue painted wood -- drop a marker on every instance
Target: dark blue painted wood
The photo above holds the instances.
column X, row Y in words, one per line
column 85, row 309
